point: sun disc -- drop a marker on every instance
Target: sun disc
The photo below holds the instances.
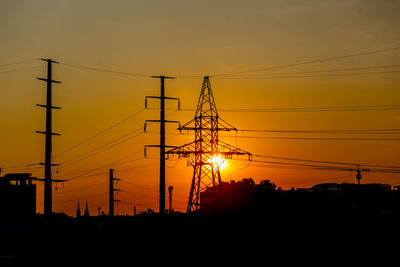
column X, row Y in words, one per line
column 219, row 162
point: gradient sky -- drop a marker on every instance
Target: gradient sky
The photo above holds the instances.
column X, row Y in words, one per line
column 185, row 39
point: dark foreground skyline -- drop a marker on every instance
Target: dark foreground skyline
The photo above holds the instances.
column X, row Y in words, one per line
column 240, row 216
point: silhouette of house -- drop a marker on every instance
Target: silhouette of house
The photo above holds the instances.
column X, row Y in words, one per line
column 17, row 201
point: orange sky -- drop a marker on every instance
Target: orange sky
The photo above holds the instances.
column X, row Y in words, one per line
column 183, row 38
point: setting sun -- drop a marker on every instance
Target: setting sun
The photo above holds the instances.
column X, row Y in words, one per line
column 218, row 161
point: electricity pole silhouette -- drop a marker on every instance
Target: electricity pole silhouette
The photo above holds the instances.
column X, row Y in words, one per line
column 48, row 133
column 206, row 146
column 358, row 173
column 162, row 145
column 111, row 193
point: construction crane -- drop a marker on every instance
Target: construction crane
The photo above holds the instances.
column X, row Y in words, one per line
column 358, row 170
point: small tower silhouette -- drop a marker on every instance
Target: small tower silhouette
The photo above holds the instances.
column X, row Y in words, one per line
column 86, row 214
column 78, row 211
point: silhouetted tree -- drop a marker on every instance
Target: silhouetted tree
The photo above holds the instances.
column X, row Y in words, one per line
column 267, row 185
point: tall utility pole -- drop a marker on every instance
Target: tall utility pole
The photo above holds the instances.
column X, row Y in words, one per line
column 48, row 133
column 112, row 189
column 162, row 145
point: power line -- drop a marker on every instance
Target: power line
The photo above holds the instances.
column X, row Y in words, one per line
column 101, row 132
column 148, row 188
column 140, row 186
column 18, row 62
column 145, row 196
column 347, row 131
column 20, row 69
column 82, row 197
column 311, row 76
column 311, row 138
column 309, row 109
column 103, row 173
column 137, row 167
column 102, row 148
column 81, row 188
column 320, row 71
column 322, row 167
column 23, row 166
column 106, row 146
column 315, row 138
column 327, row 162
column 311, row 61
column 106, row 70
column 140, row 195
column 113, row 163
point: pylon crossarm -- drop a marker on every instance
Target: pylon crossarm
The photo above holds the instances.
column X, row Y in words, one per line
column 184, row 126
column 207, row 129
column 221, row 126
column 228, row 150
column 184, row 151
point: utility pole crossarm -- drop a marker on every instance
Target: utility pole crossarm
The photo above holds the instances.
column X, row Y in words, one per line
column 47, row 80
column 44, row 106
column 162, row 77
column 165, row 121
column 165, row 97
column 41, row 132
column 49, row 60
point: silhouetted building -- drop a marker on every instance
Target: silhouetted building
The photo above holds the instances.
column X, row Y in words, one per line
column 86, row 211
column 17, row 201
column 78, row 211
column 327, row 199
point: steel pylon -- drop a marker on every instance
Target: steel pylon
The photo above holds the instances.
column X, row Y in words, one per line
column 206, row 145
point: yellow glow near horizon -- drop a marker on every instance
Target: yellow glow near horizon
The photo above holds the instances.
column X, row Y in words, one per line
column 219, row 161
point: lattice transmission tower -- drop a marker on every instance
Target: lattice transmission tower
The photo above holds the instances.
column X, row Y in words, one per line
column 206, row 146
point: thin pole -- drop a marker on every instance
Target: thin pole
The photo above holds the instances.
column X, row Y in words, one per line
column 162, row 145
column 162, row 148
column 111, row 199
column 48, row 146
column 48, row 133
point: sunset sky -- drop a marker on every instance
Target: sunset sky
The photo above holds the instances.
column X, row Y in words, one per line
column 108, row 49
